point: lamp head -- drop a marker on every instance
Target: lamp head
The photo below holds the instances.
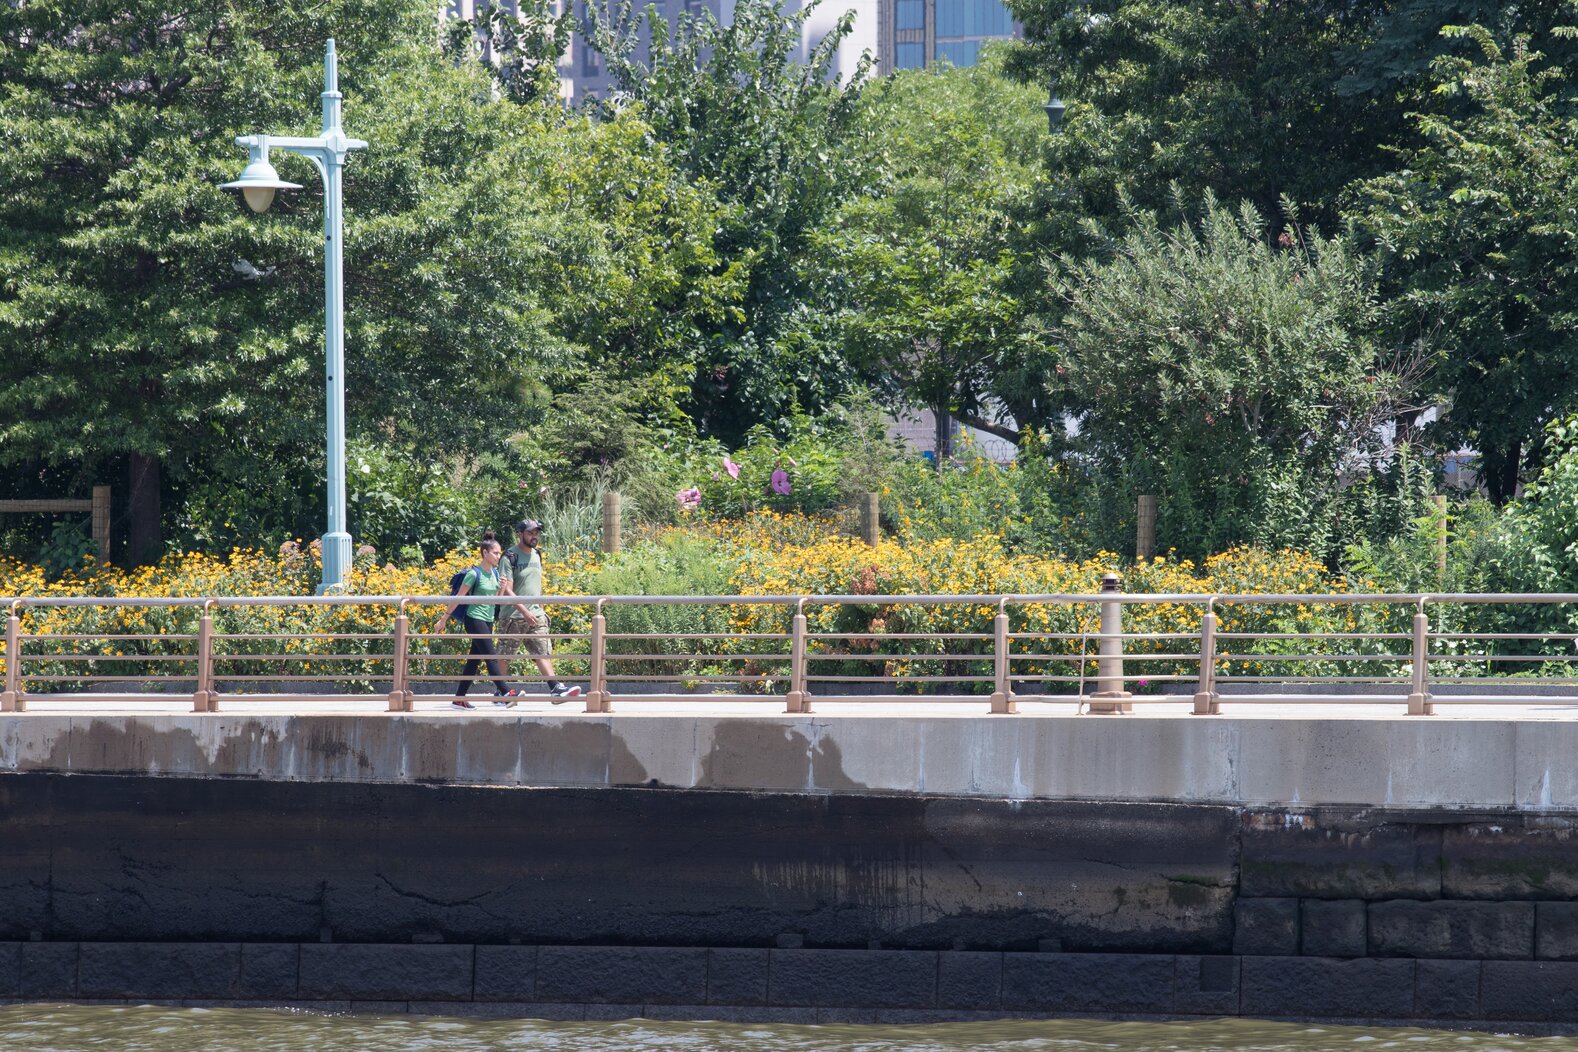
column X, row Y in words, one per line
column 259, row 181
column 1054, row 108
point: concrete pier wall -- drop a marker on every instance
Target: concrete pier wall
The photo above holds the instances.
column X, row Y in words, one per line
column 1382, row 869
column 1259, row 762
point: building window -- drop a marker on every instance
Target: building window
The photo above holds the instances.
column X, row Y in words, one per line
column 910, row 14
column 909, row 55
column 960, row 53
column 973, row 18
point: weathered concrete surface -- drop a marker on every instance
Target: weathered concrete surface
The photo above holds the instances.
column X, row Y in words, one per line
column 755, row 984
column 1396, row 762
column 124, row 858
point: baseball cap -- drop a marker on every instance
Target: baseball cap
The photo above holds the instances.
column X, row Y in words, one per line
column 527, row 525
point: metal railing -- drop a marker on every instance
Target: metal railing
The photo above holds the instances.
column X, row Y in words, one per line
column 998, row 650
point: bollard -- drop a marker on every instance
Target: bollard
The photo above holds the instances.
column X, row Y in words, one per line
column 11, row 699
column 1419, row 690
column 203, row 699
column 1110, row 697
column 1145, row 527
column 597, row 697
column 402, row 661
column 797, row 700
column 613, row 516
column 870, row 522
column 1207, row 702
column 1003, row 691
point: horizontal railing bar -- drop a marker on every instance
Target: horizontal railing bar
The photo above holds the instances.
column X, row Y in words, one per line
column 823, row 656
column 917, row 599
column 23, row 659
column 900, row 679
column 1128, row 655
column 303, row 657
column 696, row 635
column 1312, row 635
column 898, row 635
column 1476, row 658
column 1401, row 680
column 692, row 657
column 1564, row 636
column 1093, row 635
column 263, row 636
column 1312, row 657
column 696, row 679
column 27, row 637
column 30, row 678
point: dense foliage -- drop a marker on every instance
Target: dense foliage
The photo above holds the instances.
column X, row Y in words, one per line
column 1279, row 263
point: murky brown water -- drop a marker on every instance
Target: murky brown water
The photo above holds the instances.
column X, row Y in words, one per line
column 59, row 1028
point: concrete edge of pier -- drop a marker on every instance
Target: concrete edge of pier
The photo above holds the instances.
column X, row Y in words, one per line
column 1280, row 761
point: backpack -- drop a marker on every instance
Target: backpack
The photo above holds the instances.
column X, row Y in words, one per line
column 454, row 589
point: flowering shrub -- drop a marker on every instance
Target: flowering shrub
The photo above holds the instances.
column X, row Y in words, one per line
column 766, row 553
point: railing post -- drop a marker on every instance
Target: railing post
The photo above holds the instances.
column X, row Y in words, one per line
column 402, row 660
column 597, row 697
column 203, row 698
column 1003, row 684
column 1110, row 697
column 798, row 700
column 1207, row 702
column 11, row 699
column 1419, row 690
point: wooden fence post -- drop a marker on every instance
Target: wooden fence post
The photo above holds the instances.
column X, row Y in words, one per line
column 1145, row 527
column 870, row 523
column 101, row 522
column 612, row 524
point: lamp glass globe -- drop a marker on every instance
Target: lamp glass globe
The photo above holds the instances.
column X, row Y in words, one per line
column 258, row 197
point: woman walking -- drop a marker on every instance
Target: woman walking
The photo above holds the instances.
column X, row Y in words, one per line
column 480, row 580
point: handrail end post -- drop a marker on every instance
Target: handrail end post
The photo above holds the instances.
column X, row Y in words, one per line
column 1111, row 699
column 1419, row 688
column 1003, row 703
column 1207, row 702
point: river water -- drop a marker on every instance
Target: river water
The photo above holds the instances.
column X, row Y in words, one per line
column 59, row 1028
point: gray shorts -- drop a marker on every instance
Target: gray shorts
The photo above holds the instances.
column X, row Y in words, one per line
column 535, row 644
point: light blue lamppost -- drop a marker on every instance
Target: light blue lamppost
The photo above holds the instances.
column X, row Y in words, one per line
column 257, row 184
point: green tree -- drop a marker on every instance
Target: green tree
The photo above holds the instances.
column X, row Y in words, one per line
column 519, row 46
column 1229, row 368
column 1241, row 99
column 146, row 320
column 924, row 261
column 1477, row 231
column 765, row 130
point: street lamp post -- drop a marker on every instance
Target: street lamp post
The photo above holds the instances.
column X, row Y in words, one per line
column 258, row 183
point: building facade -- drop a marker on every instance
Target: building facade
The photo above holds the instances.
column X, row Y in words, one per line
column 898, row 34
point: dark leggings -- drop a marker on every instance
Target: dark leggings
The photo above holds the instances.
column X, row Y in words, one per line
column 481, row 633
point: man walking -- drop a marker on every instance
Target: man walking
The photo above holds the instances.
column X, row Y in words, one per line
column 526, row 627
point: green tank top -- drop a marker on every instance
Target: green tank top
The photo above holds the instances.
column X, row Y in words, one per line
column 481, row 582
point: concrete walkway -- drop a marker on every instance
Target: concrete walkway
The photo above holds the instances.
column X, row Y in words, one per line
column 1296, row 707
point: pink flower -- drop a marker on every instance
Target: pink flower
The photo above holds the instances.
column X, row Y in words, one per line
column 793, row 461
column 689, row 499
column 731, row 467
column 521, row 484
column 780, row 482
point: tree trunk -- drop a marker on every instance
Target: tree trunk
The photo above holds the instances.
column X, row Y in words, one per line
column 145, row 540
column 944, row 434
column 1501, row 472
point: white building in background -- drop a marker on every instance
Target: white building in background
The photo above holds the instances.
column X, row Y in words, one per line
column 898, row 34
